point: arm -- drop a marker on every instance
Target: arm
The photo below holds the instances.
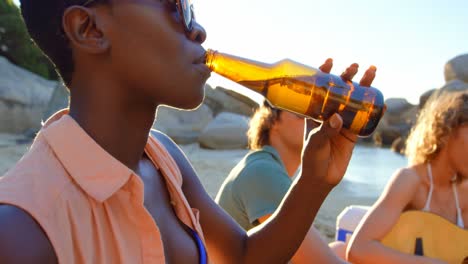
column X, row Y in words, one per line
column 312, row 249
column 325, row 157
column 365, row 246
column 260, row 188
column 22, row 239
column 274, row 241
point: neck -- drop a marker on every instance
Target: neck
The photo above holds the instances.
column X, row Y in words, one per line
column 291, row 158
column 118, row 122
column 442, row 169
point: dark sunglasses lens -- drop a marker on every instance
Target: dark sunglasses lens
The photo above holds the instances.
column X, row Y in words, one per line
column 187, row 13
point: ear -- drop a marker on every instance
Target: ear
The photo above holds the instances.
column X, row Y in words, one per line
column 83, row 31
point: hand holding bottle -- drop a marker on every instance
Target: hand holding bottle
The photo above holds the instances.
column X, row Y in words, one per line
column 328, row 149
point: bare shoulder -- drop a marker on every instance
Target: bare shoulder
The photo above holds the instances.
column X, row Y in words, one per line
column 173, row 149
column 22, row 240
column 185, row 167
column 191, row 186
column 405, row 179
column 400, row 190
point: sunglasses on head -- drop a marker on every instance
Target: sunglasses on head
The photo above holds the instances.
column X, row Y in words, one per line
column 184, row 8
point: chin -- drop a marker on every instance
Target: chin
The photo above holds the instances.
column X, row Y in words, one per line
column 191, row 102
column 196, row 99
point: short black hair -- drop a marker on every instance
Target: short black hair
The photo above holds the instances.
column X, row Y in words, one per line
column 43, row 19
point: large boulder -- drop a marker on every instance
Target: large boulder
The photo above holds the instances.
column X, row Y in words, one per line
column 397, row 121
column 226, row 131
column 455, row 85
column 425, row 96
column 398, row 145
column 392, row 133
column 225, row 100
column 58, row 100
column 24, row 97
column 397, row 105
column 184, row 127
column 398, row 112
column 385, row 134
column 457, row 68
column 451, row 86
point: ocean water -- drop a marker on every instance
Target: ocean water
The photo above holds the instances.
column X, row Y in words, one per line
column 370, row 169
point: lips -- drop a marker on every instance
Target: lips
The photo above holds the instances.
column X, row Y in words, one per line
column 201, row 67
column 201, row 59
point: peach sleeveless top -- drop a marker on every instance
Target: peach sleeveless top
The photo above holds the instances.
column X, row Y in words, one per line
column 88, row 203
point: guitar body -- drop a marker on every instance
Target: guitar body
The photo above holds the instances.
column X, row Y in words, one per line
column 429, row 235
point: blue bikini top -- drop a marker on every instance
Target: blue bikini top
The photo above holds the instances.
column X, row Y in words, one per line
column 201, row 247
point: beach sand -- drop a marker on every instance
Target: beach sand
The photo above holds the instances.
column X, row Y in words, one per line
column 212, row 167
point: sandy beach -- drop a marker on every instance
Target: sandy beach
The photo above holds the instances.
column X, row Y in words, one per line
column 212, row 167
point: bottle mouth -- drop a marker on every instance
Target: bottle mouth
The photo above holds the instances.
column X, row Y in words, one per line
column 209, row 58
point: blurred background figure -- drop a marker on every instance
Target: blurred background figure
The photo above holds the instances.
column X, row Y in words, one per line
column 256, row 186
column 436, row 182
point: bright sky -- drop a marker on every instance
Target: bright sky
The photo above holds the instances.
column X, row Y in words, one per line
column 408, row 40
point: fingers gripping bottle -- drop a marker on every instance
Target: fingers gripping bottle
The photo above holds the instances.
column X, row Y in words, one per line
column 301, row 89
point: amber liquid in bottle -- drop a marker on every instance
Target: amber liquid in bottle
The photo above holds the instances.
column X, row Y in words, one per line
column 298, row 88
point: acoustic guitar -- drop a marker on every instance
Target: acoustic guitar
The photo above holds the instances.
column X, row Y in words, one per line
column 425, row 234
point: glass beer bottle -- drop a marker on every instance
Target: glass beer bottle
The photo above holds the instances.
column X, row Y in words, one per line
column 298, row 88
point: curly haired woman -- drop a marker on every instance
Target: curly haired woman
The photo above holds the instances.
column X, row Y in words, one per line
column 436, row 180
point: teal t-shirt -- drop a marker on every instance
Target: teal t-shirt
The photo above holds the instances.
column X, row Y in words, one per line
column 255, row 187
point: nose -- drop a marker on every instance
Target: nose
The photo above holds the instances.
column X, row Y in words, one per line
column 198, row 33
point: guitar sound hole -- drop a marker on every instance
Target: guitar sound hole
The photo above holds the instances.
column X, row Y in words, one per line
column 418, row 247
column 465, row 261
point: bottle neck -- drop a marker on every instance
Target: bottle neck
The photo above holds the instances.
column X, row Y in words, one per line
column 209, row 59
column 235, row 68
